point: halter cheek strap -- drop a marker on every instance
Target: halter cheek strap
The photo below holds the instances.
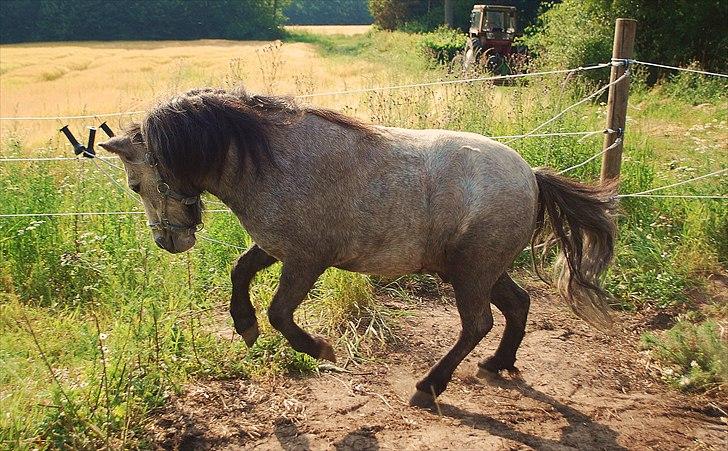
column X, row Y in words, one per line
column 168, row 193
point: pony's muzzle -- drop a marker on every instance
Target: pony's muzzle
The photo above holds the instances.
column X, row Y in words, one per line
column 175, row 243
column 160, row 242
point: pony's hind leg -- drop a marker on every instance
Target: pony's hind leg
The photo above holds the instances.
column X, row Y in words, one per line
column 513, row 302
column 296, row 281
column 241, row 309
column 472, row 297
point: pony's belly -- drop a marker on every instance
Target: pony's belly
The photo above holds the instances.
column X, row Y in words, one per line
column 382, row 265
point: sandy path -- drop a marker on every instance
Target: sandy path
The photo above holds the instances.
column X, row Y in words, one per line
column 577, row 389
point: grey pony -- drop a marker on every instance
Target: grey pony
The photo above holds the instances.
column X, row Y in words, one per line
column 317, row 189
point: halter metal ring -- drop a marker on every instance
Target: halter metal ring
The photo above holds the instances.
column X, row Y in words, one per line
column 162, row 188
column 150, row 160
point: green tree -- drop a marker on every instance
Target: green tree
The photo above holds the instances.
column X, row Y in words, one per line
column 78, row 20
column 426, row 15
column 324, row 12
column 580, row 32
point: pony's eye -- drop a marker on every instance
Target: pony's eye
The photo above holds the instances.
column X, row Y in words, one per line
column 135, row 187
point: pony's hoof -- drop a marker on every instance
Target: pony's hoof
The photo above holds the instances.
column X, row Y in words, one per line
column 422, row 399
column 326, row 352
column 490, row 372
column 488, row 375
column 250, row 335
column 494, row 365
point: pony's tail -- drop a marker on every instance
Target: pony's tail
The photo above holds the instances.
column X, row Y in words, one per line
column 581, row 218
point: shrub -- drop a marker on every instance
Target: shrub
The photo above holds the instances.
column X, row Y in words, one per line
column 389, row 14
column 572, row 34
column 696, row 89
column 575, row 33
column 696, row 354
column 443, row 44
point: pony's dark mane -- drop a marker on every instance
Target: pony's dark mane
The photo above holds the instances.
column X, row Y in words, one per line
column 190, row 133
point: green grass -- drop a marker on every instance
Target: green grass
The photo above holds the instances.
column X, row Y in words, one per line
column 160, row 316
column 694, row 355
column 401, row 52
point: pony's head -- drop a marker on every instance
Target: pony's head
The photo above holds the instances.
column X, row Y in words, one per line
column 173, row 210
column 182, row 147
column 199, row 141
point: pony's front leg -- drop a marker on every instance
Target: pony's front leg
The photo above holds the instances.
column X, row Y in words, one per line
column 241, row 309
column 296, row 281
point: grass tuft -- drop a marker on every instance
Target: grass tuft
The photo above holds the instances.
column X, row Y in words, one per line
column 695, row 354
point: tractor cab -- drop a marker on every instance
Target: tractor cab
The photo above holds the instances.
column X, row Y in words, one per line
column 493, row 27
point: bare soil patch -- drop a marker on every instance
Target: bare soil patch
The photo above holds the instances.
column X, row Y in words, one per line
column 577, row 389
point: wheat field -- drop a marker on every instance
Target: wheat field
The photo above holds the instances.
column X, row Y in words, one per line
column 85, row 78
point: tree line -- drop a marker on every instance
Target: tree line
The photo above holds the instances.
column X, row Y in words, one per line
column 561, row 33
column 82, row 20
column 328, row 12
column 425, row 15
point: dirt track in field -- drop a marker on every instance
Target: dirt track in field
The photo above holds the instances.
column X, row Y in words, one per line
column 577, row 389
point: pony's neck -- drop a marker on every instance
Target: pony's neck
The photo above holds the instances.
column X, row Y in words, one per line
column 236, row 183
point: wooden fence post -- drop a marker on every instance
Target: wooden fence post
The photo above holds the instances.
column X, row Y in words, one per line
column 624, row 33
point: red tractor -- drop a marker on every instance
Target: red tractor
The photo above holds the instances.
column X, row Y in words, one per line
column 491, row 35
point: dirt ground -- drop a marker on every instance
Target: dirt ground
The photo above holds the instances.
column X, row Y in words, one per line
column 577, row 389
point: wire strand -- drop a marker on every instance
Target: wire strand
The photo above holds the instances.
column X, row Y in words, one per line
column 677, row 196
column 571, row 107
column 22, row 159
column 123, row 189
column 617, row 142
column 206, row 237
column 450, row 82
column 673, row 184
column 83, row 116
column 585, row 134
column 334, row 93
column 665, row 66
column 640, row 194
column 93, row 157
column 87, row 213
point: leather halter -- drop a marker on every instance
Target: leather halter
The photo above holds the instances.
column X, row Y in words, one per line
column 168, row 193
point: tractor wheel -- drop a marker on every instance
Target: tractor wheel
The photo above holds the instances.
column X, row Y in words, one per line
column 497, row 65
column 473, row 49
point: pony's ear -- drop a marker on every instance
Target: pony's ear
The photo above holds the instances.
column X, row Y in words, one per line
column 120, row 145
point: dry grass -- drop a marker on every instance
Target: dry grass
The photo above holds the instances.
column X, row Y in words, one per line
column 96, row 77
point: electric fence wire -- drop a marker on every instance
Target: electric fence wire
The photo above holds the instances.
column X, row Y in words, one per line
column 648, row 192
column 665, row 66
column 584, row 134
column 344, row 92
column 571, row 107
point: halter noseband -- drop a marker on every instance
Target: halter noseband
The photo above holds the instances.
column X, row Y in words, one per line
column 167, row 192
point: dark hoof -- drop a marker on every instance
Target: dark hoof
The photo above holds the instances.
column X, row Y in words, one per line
column 494, row 365
column 250, row 335
column 422, row 399
column 488, row 375
column 326, row 352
